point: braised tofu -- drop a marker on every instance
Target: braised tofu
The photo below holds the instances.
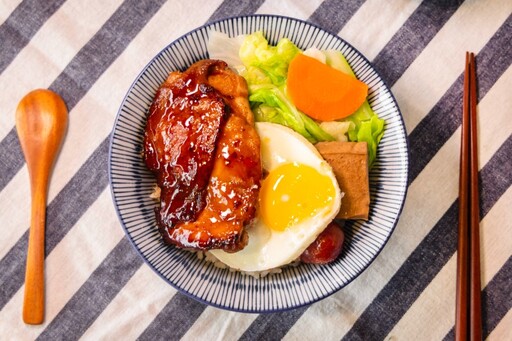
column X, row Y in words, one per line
column 349, row 161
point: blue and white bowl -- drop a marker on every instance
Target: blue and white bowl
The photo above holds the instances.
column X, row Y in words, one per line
column 131, row 183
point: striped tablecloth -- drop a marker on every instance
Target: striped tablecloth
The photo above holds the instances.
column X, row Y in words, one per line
column 98, row 287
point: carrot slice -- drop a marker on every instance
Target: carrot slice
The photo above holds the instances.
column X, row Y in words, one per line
column 322, row 92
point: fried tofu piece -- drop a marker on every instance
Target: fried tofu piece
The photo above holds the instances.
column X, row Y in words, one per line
column 349, row 161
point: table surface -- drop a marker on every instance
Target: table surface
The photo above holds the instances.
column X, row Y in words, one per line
column 97, row 286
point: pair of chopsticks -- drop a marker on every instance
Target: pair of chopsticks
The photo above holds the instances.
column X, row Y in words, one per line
column 468, row 320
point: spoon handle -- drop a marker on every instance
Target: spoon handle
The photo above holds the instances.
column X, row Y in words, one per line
column 33, row 302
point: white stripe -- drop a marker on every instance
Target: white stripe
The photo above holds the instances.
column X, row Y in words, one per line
column 133, row 309
column 295, row 9
column 216, row 324
column 437, row 180
column 367, row 35
column 493, row 113
column 49, row 51
column 433, row 313
column 6, row 8
column 69, row 265
column 15, row 199
column 442, row 61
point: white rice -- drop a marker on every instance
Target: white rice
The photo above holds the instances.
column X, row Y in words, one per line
column 209, row 257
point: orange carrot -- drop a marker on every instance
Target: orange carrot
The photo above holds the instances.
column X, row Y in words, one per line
column 322, row 92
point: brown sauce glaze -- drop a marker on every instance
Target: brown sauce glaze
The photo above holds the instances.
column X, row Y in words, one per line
column 183, row 126
column 205, row 152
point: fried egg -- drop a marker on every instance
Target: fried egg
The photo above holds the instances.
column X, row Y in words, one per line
column 298, row 198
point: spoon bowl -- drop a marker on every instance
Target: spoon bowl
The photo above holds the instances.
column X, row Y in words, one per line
column 41, row 121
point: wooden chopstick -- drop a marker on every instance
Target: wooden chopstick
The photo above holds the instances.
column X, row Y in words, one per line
column 462, row 295
column 468, row 318
column 475, row 321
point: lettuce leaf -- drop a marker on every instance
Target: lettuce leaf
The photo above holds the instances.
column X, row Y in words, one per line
column 270, row 104
column 370, row 131
column 272, row 61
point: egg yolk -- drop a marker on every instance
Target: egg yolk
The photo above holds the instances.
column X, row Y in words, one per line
column 293, row 192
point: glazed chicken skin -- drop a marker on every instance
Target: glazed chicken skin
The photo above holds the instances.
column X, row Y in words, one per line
column 180, row 139
column 201, row 143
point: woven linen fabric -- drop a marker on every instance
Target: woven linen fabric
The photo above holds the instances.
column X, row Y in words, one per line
column 99, row 288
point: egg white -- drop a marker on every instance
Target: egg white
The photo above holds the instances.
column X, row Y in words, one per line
column 267, row 248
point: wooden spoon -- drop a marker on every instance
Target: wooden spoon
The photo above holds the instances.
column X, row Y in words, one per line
column 41, row 121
